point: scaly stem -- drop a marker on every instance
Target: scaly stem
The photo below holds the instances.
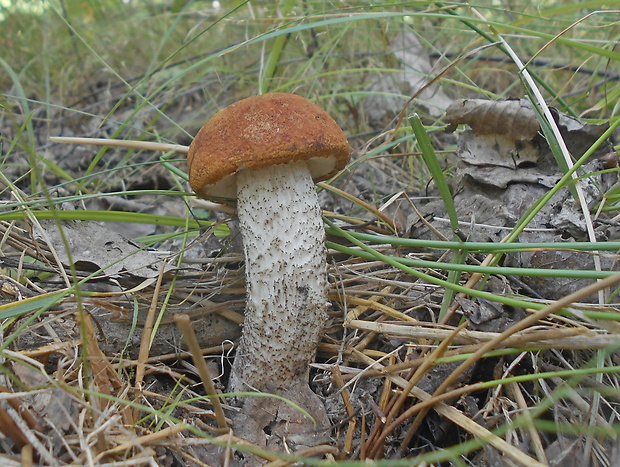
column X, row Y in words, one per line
column 284, row 242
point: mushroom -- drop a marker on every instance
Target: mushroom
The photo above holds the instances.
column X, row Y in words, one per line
column 267, row 152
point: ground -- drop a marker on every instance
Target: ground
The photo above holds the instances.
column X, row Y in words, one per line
column 420, row 361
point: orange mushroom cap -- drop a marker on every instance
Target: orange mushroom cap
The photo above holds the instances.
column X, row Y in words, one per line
column 260, row 131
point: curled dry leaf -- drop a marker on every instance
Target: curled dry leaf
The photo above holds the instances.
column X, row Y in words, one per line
column 505, row 165
column 515, row 118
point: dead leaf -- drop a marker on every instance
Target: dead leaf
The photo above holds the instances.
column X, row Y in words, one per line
column 54, row 405
column 505, row 165
column 514, row 118
column 91, row 246
column 487, row 316
column 276, row 425
column 497, row 150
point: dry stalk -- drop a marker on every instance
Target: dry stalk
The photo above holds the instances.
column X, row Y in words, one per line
column 120, row 143
column 144, row 440
column 145, row 343
column 524, row 323
column 579, row 338
column 462, row 420
column 346, row 399
column 429, row 362
column 531, row 429
column 183, row 322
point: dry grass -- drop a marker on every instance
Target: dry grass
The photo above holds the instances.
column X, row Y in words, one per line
column 381, row 342
column 94, row 370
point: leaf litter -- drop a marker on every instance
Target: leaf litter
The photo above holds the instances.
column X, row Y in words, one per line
column 384, row 352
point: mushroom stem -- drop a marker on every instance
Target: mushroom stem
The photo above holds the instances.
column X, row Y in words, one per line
column 284, row 242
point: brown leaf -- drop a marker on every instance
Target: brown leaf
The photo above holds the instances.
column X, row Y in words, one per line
column 515, row 118
column 53, row 405
column 93, row 246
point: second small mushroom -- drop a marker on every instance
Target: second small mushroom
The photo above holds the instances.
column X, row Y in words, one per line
column 267, row 152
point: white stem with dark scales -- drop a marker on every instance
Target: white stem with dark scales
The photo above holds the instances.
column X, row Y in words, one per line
column 286, row 276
